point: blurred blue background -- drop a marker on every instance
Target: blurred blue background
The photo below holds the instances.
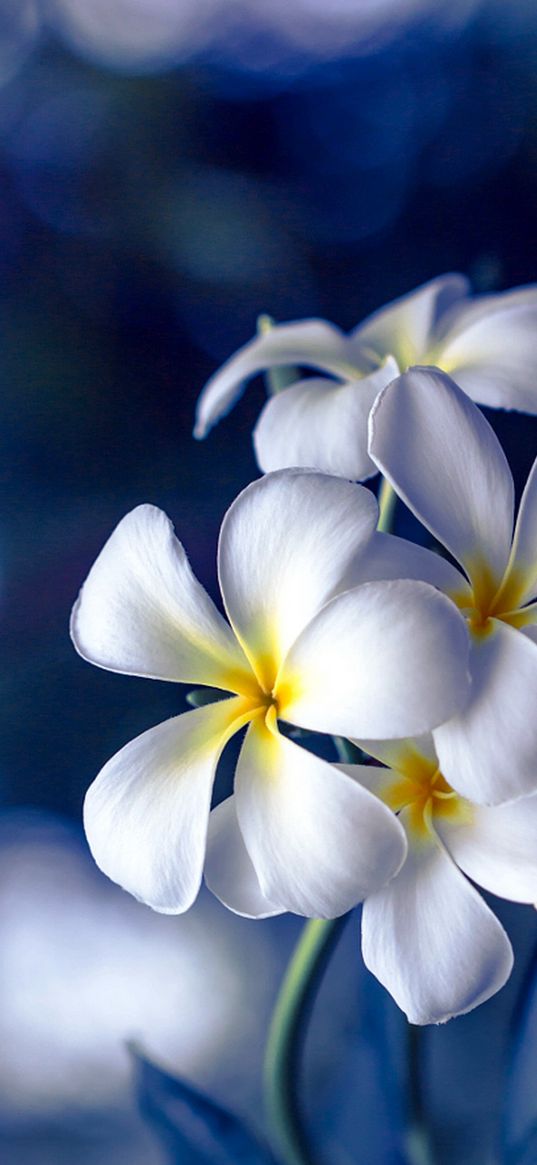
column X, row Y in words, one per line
column 168, row 170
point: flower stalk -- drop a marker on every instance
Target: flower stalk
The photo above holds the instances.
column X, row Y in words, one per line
column 387, row 501
column 286, row 1036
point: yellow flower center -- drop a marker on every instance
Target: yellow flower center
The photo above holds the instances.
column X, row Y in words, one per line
column 259, row 703
column 490, row 600
column 420, row 788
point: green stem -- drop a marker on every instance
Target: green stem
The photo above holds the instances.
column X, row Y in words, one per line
column 284, row 1045
column 418, row 1140
column 387, row 503
column 280, row 376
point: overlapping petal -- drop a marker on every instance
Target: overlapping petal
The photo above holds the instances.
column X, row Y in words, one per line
column 146, row 813
column 407, row 328
column 444, row 460
column 431, row 939
column 488, row 751
column 307, row 343
column 386, row 659
column 229, row 872
column 398, row 754
column 318, row 841
column 285, row 544
column 375, row 778
column 142, row 611
column 389, row 557
column 490, row 350
column 496, row 847
column 321, row 424
column 523, row 563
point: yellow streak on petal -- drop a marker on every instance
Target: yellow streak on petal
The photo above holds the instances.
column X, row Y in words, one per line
column 242, row 713
column 241, row 681
column 489, row 601
column 524, row 617
column 286, row 691
column 484, row 583
column 510, row 594
column 398, row 794
column 271, row 719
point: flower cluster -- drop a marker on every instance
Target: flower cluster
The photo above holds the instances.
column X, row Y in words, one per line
column 335, row 627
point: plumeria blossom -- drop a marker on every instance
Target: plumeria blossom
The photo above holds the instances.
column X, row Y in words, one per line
column 486, row 343
column 427, row 935
column 297, row 648
column 444, row 460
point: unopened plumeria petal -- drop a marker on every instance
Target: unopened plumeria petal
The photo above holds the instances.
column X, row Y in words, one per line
column 287, row 545
column 455, row 478
column 486, row 343
column 229, row 870
column 316, row 838
column 427, row 935
column 315, row 422
column 146, row 813
column 307, row 343
column 142, row 612
column 369, row 657
column 431, row 939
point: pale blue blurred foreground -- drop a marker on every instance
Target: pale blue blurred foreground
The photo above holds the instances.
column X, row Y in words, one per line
column 86, row 969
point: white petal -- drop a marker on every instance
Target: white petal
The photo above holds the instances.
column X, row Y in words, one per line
column 441, row 455
column 478, row 307
column 229, row 872
column 284, row 546
column 318, row 841
column 142, row 611
column 386, row 659
column 488, row 752
column 390, row 557
column 490, row 351
column 406, row 328
column 146, row 813
column 523, row 563
column 531, row 629
column 307, row 343
column 432, row 941
column 397, row 753
column 374, row 778
column 497, row 847
column 321, row 424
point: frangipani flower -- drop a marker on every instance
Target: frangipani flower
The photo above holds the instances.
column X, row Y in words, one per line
column 295, row 649
column 486, row 343
column 445, row 462
column 427, row 935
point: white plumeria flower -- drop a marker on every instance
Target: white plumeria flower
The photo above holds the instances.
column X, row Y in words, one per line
column 427, row 935
column 295, row 648
column 486, row 343
column 445, row 462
